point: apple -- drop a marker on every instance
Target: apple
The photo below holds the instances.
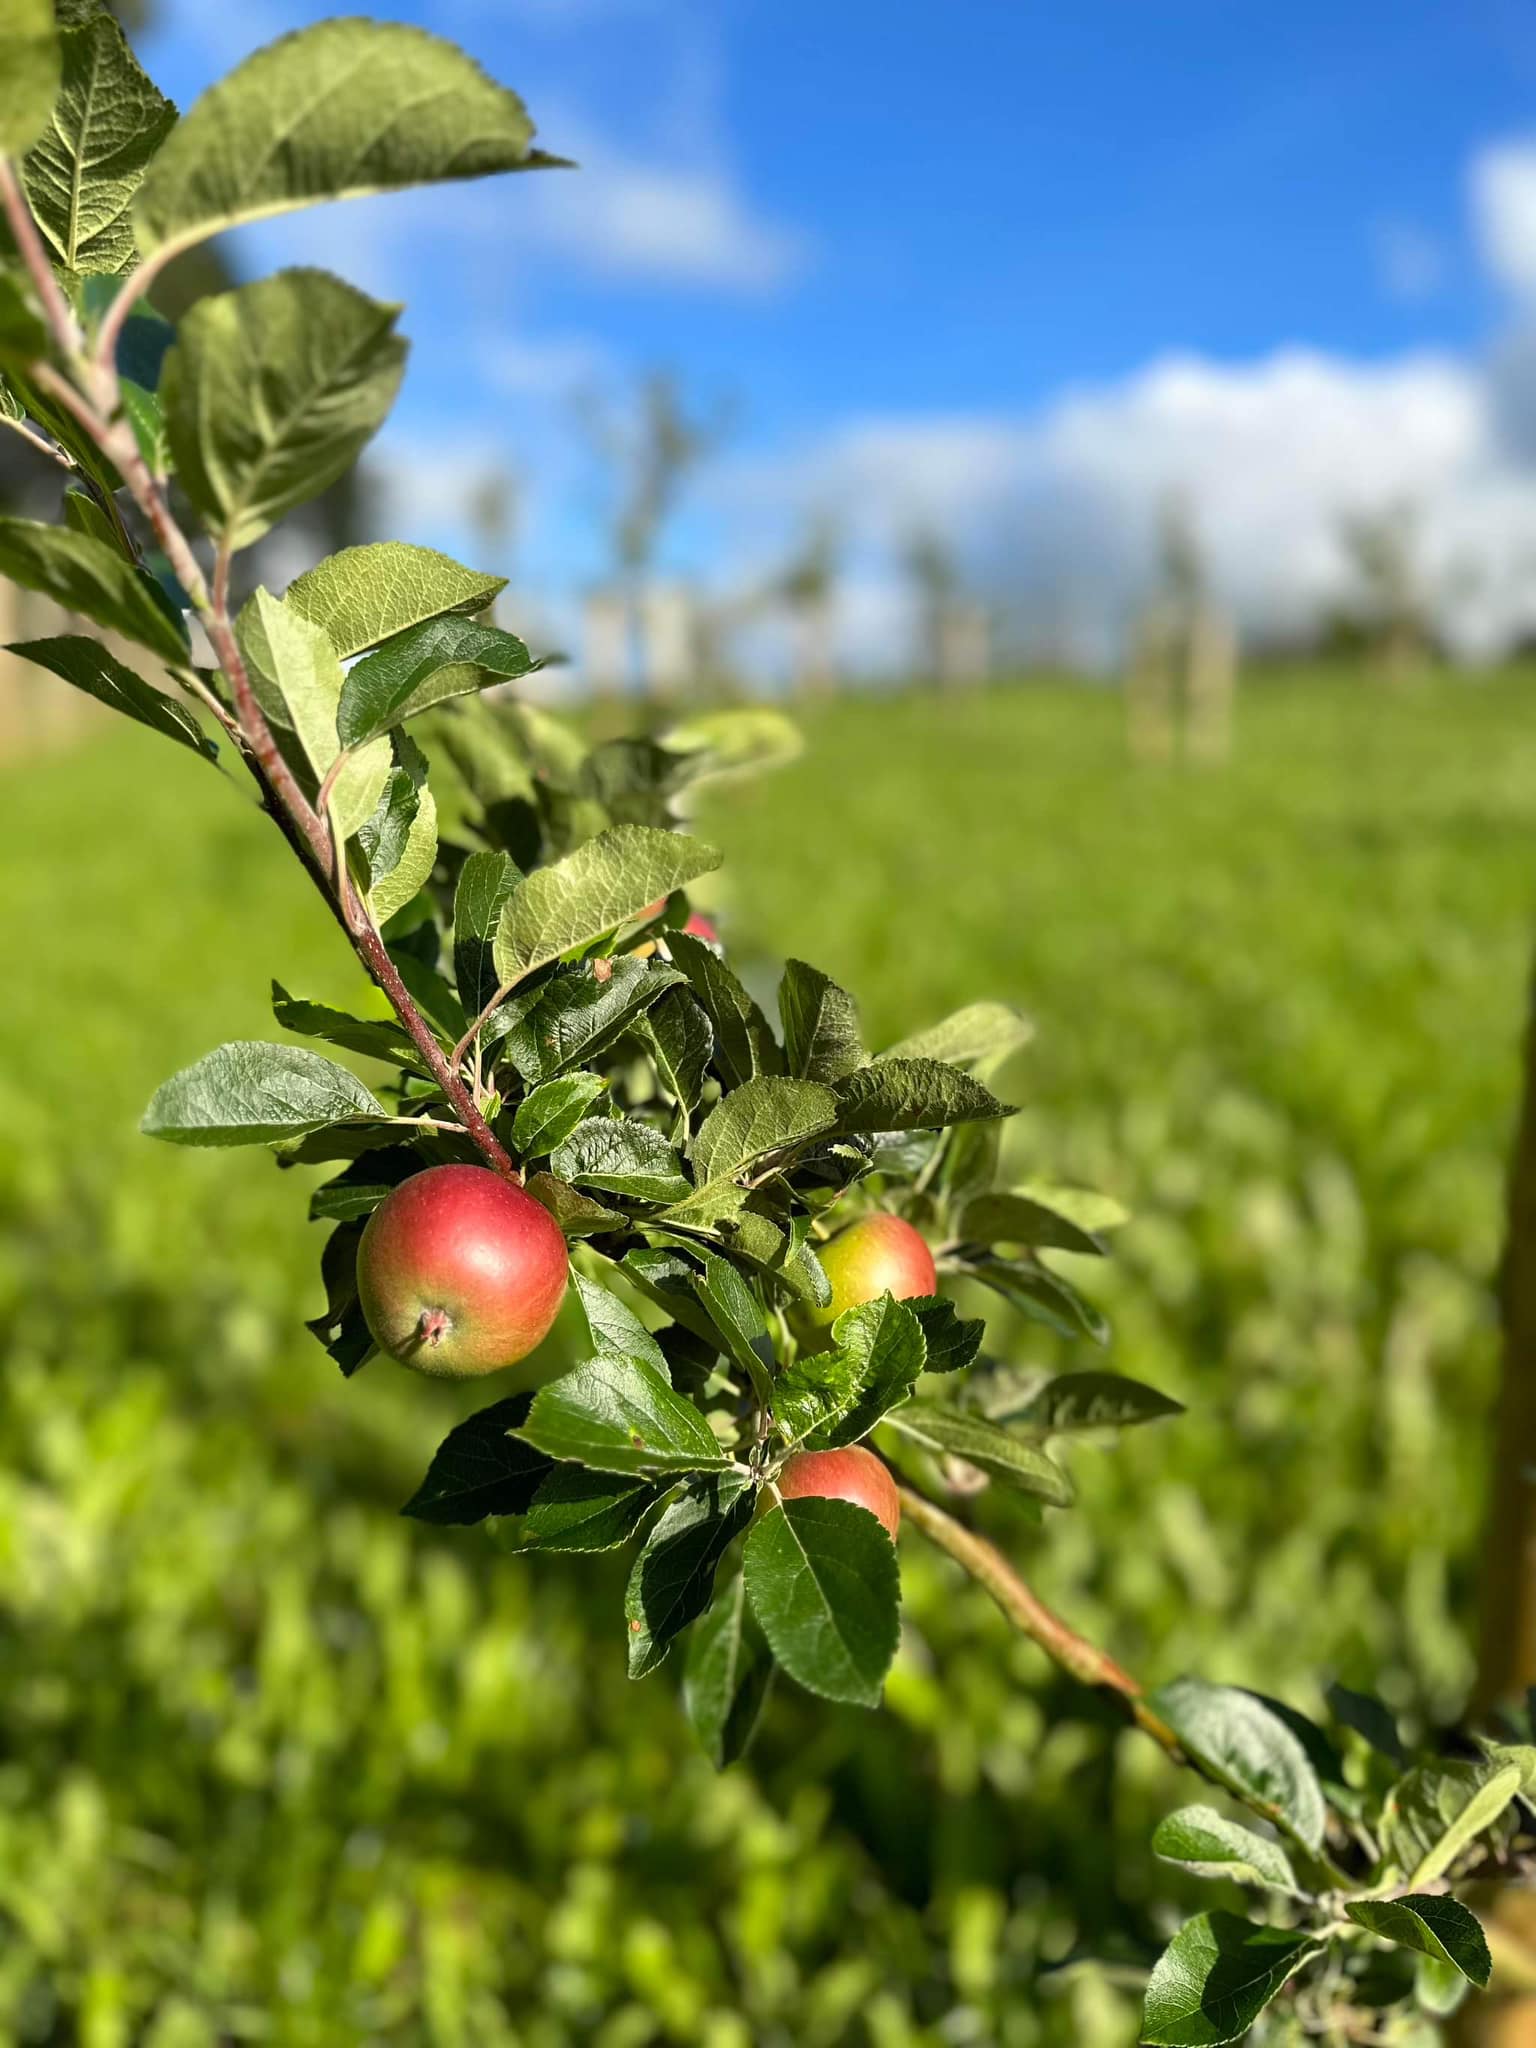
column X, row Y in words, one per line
column 874, row 1255
column 701, row 928
column 460, row 1272
column 852, row 1474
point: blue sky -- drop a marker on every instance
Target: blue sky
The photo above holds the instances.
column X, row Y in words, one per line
column 945, row 261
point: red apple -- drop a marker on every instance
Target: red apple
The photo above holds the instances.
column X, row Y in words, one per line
column 701, row 928
column 853, row 1474
column 873, row 1256
column 460, row 1272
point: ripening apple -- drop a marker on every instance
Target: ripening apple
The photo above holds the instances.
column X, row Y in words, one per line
column 852, row 1474
column 460, row 1272
column 875, row 1255
column 701, row 928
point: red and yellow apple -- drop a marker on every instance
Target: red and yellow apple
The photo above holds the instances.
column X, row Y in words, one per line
column 852, row 1474
column 460, row 1272
column 874, row 1255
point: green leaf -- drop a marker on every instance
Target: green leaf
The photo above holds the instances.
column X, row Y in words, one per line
column 335, row 111
column 579, row 1011
column 766, row 1114
column 744, row 1044
column 1013, row 1218
column 575, row 1510
column 1215, row 1977
column 727, row 1675
column 1091, row 1400
column 836, row 1396
column 951, row 1341
column 674, row 1574
column 614, row 1327
column 148, row 423
column 549, row 1115
column 1206, row 1842
column 600, row 886
column 87, row 664
column 271, row 392
column 380, row 1038
column 955, row 1433
column 82, row 172
column 365, row 595
column 681, row 1040
column 404, row 881
column 1432, row 1925
column 737, row 1315
column 621, row 1157
column 485, row 882
column 295, row 671
column 481, row 1469
column 618, row 1414
column 670, row 1282
column 577, row 1215
column 340, row 1329
column 1236, row 1740
column 84, row 575
column 821, row 1025
column 822, row 1579
column 440, row 658
column 1041, row 1294
column 912, row 1095
column 84, row 513
column 23, row 332
column 29, row 72
column 248, row 1093
column 385, row 833
column 1438, row 1810
column 982, row 1031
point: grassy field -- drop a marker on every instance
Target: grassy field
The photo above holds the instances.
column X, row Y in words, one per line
column 275, row 1765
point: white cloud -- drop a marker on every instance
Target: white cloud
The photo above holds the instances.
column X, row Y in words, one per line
column 547, row 367
column 1503, row 193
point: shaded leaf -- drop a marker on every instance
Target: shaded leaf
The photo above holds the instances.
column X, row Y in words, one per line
column 440, row 658
column 577, row 1214
column 378, row 1037
column 580, row 1010
column 674, row 1574
column 481, row 1469
column 1041, row 1294
column 29, row 72
column 681, row 1040
column 548, row 1116
column 744, row 1043
column 727, row 1675
column 485, row 882
column 84, row 575
column 87, row 664
column 1438, row 1810
column 1215, row 1977
column 574, row 1510
column 622, row 1157
column 340, row 1329
column 1090, row 1400
column 951, row 1341
column 955, row 1433
column 1014, row 1218
column 1433, row 1925
column 738, row 1316
column 822, row 1041
column 1237, row 1741
column 615, row 1327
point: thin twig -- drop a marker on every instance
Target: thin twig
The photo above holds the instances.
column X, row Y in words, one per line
column 29, row 246
column 39, row 440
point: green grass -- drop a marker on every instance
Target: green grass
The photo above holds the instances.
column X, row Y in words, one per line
column 277, row 1765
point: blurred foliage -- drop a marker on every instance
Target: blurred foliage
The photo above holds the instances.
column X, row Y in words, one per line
column 277, row 1765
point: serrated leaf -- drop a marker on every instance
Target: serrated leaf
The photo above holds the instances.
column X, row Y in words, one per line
column 737, row 1315
column 744, row 1044
column 669, row 1281
column 614, row 1327
column 1436, row 1811
column 594, row 890
column 485, row 882
column 951, row 1341
column 912, row 1095
column 674, row 1574
column 621, row 1157
column 1432, row 1925
column 1040, row 1293
column 883, row 1341
column 823, row 1582
column 364, row 595
column 766, row 1114
column 546, row 1117
column 294, row 670
column 410, row 873
column 272, row 391
column 727, row 1675
column 1240, row 1743
column 82, row 172
column 681, row 1039
column 1373, row 1722
column 384, row 834
column 1206, row 1842
column 822, row 1041
column 955, row 1433
column 439, row 659
column 88, row 665
column 29, row 72
column 578, row 1215
column 336, row 111
column 249, row 1093
column 1215, row 1977
column 577, row 1012
column 84, row 575
column 619, row 1414
column 981, row 1031
column 1090, row 1400
column 481, row 1469
column 380, row 1038
column 574, row 1510
column 1012, row 1218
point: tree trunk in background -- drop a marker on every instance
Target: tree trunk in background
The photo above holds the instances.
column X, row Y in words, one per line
column 1506, row 1660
